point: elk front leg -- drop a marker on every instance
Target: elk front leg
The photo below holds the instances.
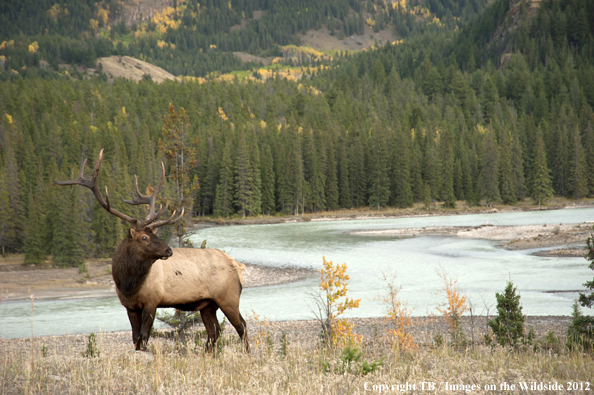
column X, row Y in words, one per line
column 135, row 318
column 148, row 317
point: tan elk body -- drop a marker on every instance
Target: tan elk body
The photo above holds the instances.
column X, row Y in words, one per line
column 148, row 274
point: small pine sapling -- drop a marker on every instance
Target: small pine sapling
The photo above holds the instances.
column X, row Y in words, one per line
column 508, row 325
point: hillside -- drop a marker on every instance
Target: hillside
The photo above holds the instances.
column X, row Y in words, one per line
column 132, row 69
column 188, row 38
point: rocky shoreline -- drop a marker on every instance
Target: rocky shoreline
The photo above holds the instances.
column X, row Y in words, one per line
column 570, row 237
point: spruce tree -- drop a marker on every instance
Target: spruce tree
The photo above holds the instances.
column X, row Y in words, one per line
column 179, row 151
column 507, row 185
column 223, row 204
column 379, row 182
column 447, row 188
column 5, row 214
column 267, row 172
column 508, row 326
column 576, row 173
column 540, row 183
column 35, row 249
column 331, row 178
column 344, row 185
column 256, row 174
column 402, row 195
column 244, row 180
column 358, row 175
column 489, row 182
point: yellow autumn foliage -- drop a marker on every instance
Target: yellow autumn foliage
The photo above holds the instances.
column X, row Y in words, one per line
column 56, row 10
column 333, row 284
column 102, row 15
column 455, row 304
column 222, row 114
column 33, row 47
column 398, row 315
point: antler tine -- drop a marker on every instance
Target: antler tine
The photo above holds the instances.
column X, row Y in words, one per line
column 167, row 221
column 92, row 184
column 139, row 198
column 153, row 217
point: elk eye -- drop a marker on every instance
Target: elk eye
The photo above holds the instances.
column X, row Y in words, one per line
column 145, row 238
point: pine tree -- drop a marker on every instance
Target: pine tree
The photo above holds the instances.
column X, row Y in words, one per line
column 331, row 178
column 223, row 204
column 256, row 174
column 508, row 326
column 14, row 233
column 589, row 153
column 35, row 249
column 402, row 195
column 518, row 167
column 416, row 173
column 344, row 185
column 244, row 180
column 267, row 166
column 358, row 175
column 180, row 154
column 5, row 214
column 577, row 182
column 379, row 181
column 507, row 180
column 447, row 188
column 540, row 183
column 489, row 173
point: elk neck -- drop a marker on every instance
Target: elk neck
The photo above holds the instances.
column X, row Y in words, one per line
column 129, row 269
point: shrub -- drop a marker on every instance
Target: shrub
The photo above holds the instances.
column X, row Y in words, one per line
column 453, row 308
column 92, row 349
column 580, row 334
column 397, row 314
column 508, row 326
column 333, row 286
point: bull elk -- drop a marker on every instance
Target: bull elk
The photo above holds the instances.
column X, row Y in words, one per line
column 148, row 274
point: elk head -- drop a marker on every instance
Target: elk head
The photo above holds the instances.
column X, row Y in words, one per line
column 141, row 235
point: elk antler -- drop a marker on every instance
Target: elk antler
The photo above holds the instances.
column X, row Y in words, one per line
column 92, row 184
column 139, row 198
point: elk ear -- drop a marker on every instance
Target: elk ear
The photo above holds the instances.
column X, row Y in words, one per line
column 132, row 232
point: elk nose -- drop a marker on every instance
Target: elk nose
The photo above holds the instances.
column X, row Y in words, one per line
column 169, row 252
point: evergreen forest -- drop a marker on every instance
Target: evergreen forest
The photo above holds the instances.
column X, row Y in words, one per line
column 493, row 105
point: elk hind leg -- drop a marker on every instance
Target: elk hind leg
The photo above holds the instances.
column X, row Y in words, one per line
column 209, row 318
column 235, row 318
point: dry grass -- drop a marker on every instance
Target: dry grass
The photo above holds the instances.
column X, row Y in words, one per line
column 43, row 365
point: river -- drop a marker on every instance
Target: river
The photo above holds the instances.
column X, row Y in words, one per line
column 548, row 286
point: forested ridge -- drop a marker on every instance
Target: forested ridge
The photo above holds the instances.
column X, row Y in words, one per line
column 421, row 121
column 197, row 38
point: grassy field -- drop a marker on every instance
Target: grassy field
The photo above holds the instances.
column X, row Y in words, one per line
column 76, row 365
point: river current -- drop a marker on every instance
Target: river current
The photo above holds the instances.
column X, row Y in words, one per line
column 548, row 286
